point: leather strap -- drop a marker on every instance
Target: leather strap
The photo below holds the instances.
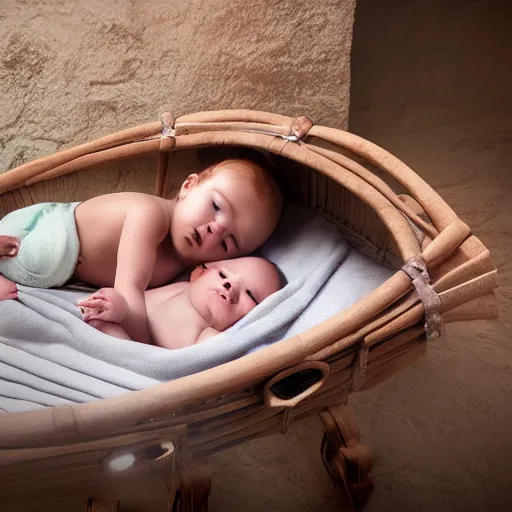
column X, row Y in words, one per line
column 300, row 128
column 168, row 137
column 417, row 271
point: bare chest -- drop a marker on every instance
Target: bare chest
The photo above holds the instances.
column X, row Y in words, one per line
column 172, row 326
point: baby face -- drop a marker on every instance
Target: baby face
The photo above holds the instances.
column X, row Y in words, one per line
column 222, row 217
column 224, row 292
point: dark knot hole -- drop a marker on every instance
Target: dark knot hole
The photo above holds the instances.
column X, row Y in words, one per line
column 293, row 385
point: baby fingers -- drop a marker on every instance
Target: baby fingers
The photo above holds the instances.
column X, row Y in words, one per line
column 97, row 304
column 86, row 312
column 104, row 293
column 91, row 317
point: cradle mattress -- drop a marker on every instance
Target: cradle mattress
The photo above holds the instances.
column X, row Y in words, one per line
column 48, row 356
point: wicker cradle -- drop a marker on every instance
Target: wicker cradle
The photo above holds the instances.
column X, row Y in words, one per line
column 444, row 274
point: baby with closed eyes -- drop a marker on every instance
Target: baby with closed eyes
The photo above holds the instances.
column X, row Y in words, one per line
column 216, row 296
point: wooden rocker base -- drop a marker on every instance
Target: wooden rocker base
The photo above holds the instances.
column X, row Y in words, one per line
column 347, row 461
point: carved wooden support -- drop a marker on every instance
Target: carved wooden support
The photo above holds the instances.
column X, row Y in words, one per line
column 347, row 461
column 194, row 481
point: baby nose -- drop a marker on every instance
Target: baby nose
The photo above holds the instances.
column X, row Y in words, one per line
column 231, row 285
column 216, row 228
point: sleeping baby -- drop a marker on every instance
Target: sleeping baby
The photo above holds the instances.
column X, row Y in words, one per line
column 132, row 241
column 181, row 314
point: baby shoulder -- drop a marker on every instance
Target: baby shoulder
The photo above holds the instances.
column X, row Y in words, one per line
column 143, row 209
column 149, row 207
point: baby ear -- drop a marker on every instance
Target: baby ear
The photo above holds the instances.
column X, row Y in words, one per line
column 191, row 182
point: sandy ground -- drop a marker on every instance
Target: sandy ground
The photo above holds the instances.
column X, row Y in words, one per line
column 431, row 83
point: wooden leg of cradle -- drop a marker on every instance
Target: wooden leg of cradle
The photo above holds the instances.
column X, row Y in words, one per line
column 347, row 461
column 194, row 488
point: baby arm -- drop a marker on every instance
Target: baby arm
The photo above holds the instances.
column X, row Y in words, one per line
column 145, row 226
column 110, row 328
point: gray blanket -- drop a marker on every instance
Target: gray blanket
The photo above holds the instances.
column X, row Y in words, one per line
column 49, row 356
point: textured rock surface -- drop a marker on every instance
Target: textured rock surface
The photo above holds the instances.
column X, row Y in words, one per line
column 71, row 71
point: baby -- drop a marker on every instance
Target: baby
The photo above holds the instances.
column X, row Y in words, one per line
column 182, row 314
column 131, row 241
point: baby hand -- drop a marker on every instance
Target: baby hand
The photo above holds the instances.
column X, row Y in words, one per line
column 8, row 289
column 106, row 304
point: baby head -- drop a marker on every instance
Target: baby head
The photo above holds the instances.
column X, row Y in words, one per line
column 223, row 292
column 226, row 211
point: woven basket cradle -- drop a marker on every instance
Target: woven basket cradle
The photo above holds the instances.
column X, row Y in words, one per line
column 444, row 274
